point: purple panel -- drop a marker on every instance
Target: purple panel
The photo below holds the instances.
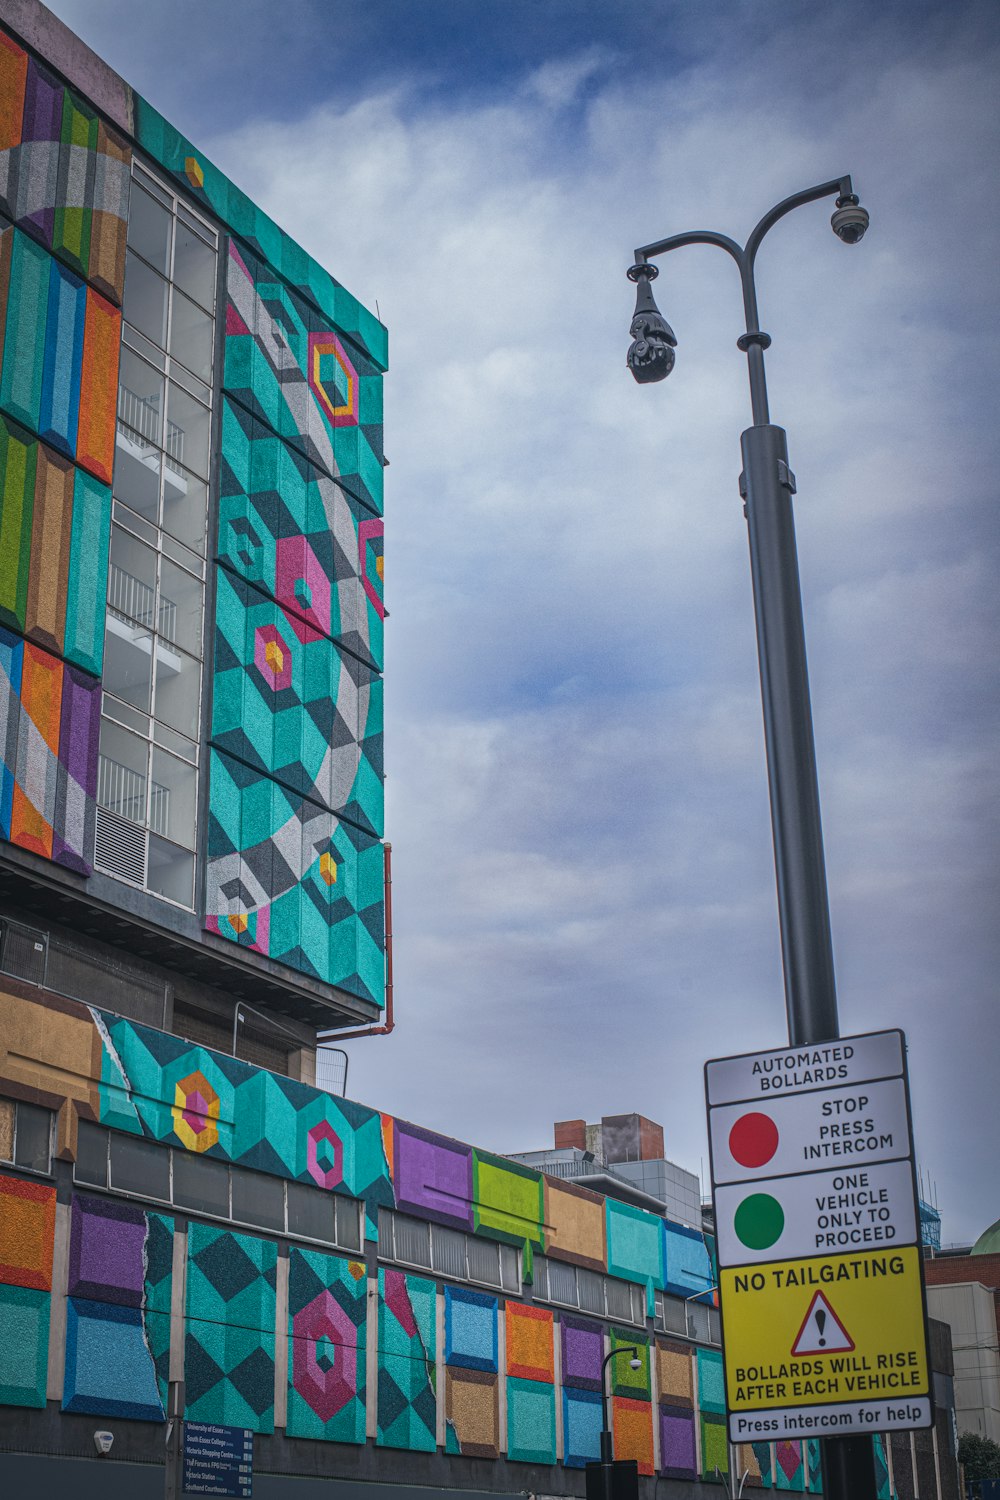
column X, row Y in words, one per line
column 106, row 1251
column 677, row 1450
column 432, row 1175
column 76, row 786
column 582, row 1353
column 43, row 101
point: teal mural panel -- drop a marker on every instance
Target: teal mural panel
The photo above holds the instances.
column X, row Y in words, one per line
column 285, row 365
column 87, row 590
column 789, row 1468
column 299, row 537
column 161, row 1086
column 229, row 1346
column 291, row 880
column 24, row 1345
column 327, row 1302
column 531, row 1421
column 198, row 178
column 634, row 1246
column 290, row 705
column 26, row 264
column 711, row 1384
column 814, row 1465
column 883, row 1487
column 407, row 1338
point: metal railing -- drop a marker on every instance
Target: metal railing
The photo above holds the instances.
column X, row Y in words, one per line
column 123, row 791
column 139, row 420
column 132, row 600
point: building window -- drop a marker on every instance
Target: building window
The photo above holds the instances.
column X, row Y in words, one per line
column 147, row 784
column 215, row 1189
column 690, row 1319
column 589, row 1291
column 448, row 1252
column 25, row 1135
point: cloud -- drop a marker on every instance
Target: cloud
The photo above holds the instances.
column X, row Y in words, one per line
column 584, row 891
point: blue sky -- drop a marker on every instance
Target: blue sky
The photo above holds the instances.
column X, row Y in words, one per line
column 577, row 799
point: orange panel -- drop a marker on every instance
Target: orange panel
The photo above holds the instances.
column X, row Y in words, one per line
column 13, row 71
column 34, row 785
column 95, row 443
column 633, row 1431
column 27, row 1228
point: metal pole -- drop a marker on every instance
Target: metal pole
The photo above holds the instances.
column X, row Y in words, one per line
column 803, row 908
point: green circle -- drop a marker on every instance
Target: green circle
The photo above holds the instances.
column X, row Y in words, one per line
column 759, row 1221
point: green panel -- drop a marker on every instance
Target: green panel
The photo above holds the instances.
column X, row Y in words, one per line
column 88, row 572
column 507, row 1200
column 73, row 222
column 24, row 336
column 18, row 458
column 24, row 1345
column 624, row 1380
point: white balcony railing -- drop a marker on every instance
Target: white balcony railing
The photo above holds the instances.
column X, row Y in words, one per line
column 139, row 420
column 123, row 791
column 132, row 600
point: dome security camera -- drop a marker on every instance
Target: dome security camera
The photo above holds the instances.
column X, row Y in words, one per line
column 849, row 220
column 635, row 1363
column 103, row 1442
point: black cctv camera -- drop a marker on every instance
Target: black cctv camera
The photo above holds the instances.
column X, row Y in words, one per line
column 849, row 220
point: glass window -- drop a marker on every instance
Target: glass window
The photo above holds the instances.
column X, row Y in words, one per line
column 172, row 795
column 311, row 1212
column 510, row 1269
column 91, row 1154
column 140, row 1166
column 187, row 431
column 33, row 1139
column 672, row 1317
column 192, row 332
column 145, row 302
column 619, row 1299
column 698, row 1322
column 484, row 1261
column 121, row 772
column 202, row 1184
column 170, row 871
column 258, row 1199
column 194, row 266
column 149, row 228
column 178, row 689
column 137, row 470
column 7, row 1108
column 348, row 1214
column 181, row 600
column 185, row 507
column 591, row 1291
column 449, row 1252
column 412, row 1241
column 562, row 1283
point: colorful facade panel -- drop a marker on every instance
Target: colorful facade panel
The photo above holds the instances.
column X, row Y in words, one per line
column 55, row 524
column 634, row 1245
column 574, row 1225
column 470, row 1330
column 529, row 1333
column 531, row 1392
column 49, row 730
column 789, row 1465
column 326, row 1347
column 229, row 1349
column 582, row 1353
column 289, row 879
column 687, row 1262
column 64, row 173
column 432, row 1175
column 118, row 1310
column 27, row 1228
column 407, row 1344
column 59, row 348
column 581, row 1427
column 472, row 1405
column 675, row 1389
column 290, row 705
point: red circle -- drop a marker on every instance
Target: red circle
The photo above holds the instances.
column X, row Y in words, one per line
column 753, row 1140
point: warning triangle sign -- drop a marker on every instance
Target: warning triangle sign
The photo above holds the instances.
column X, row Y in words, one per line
column 822, row 1332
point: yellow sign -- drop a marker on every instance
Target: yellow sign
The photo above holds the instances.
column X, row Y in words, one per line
column 836, row 1328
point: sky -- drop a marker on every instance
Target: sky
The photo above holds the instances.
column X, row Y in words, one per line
column 584, row 900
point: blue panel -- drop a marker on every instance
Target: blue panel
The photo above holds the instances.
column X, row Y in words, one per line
column 60, row 404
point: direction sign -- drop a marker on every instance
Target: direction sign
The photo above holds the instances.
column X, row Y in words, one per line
column 820, row 1279
column 851, row 1208
column 865, row 1122
column 218, row 1460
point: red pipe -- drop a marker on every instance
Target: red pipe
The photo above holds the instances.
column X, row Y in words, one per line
column 389, row 1023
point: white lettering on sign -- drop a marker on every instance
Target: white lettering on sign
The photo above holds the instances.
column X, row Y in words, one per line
column 762, row 1075
column 807, row 1132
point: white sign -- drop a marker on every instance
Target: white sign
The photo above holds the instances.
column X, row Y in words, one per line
column 851, row 1208
column 847, row 1127
column 765, row 1075
column 832, row 1421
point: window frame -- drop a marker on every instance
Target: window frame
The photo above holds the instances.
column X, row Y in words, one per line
column 387, row 1252
column 12, row 1161
column 637, row 1293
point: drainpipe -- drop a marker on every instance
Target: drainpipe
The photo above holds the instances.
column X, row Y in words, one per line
column 388, row 1023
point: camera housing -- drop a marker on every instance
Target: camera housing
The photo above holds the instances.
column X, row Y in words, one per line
column 103, row 1442
column 849, row 220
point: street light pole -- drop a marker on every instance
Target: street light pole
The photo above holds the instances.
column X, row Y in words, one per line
column 607, row 1443
column 767, row 485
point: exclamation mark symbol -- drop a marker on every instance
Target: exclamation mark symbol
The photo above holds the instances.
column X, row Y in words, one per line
column 821, row 1324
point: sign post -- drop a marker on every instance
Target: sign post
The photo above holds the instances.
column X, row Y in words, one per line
column 820, row 1267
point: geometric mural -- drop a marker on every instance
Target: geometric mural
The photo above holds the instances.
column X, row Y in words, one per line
column 407, row 1345
column 789, row 1469
column 712, row 1401
column 675, row 1372
column 118, row 1310
column 472, row 1412
column 631, row 1409
column 582, row 1347
column 27, row 1223
column 229, row 1350
column 531, row 1394
column 326, row 1347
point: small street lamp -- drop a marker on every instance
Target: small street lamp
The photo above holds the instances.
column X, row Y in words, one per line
column 767, row 485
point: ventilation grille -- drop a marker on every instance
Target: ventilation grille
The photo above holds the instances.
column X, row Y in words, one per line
column 120, row 848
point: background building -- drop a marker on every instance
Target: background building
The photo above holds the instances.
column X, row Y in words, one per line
column 963, row 1290
column 191, row 818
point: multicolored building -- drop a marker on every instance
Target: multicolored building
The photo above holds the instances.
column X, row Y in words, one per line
column 195, row 1237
